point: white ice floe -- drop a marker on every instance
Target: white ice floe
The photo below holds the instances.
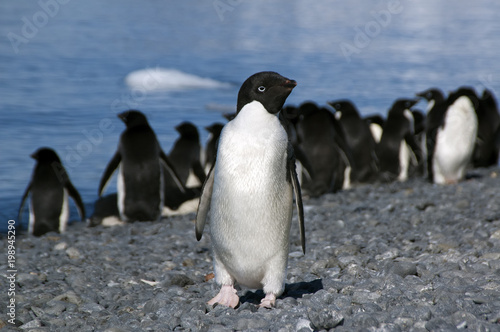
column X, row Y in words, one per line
column 164, row 79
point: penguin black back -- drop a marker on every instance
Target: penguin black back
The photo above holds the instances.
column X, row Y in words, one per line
column 322, row 141
column 140, row 157
column 49, row 187
column 397, row 130
column 436, row 111
column 358, row 138
column 486, row 151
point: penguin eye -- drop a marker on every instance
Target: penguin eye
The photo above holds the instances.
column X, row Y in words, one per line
column 261, row 88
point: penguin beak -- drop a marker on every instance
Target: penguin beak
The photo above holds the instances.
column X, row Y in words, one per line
column 122, row 117
column 290, row 84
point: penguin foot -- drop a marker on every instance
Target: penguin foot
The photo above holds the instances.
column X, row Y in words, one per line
column 269, row 301
column 227, row 296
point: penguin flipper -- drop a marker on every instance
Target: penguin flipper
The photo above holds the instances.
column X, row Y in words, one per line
column 170, row 168
column 292, row 172
column 204, row 204
column 25, row 195
column 199, row 172
column 112, row 165
column 73, row 193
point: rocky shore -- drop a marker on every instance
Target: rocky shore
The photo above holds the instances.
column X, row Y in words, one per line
column 409, row 256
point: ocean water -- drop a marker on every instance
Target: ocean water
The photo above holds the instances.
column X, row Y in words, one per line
column 68, row 67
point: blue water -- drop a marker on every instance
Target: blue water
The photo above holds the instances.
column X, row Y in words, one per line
column 63, row 68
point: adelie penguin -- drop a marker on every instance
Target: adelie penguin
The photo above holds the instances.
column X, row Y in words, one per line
column 185, row 157
column 211, row 146
column 433, row 120
column 249, row 194
column 322, row 140
column 359, row 139
column 451, row 135
column 398, row 152
column 49, row 187
column 488, row 120
column 140, row 159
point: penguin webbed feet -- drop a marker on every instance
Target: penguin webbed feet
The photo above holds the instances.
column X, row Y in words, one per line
column 269, row 301
column 227, row 297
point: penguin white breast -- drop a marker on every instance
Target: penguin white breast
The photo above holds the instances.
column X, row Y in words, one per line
column 376, row 131
column 64, row 217
column 251, row 205
column 455, row 142
column 120, row 188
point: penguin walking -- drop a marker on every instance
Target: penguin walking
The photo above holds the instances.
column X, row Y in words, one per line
column 359, row 139
column 140, row 158
column 249, row 193
column 398, row 149
column 50, row 187
column 451, row 136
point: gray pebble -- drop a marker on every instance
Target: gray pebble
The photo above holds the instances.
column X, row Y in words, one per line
column 383, row 257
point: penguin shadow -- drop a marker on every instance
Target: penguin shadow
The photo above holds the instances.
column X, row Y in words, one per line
column 473, row 176
column 295, row 290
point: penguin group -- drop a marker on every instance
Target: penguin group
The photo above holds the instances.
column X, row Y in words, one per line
column 334, row 146
column 256, row 167
column 457, row 133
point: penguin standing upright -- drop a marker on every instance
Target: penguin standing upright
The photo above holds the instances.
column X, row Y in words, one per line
column 185, row 155
column 397, row 148
column 211, row 146
column 454, row 137
column 436, row 109
column 488, row 121
column 249, row 193
column 140, row 159
column 49, row 187
column 359, row 139
column 323, row 143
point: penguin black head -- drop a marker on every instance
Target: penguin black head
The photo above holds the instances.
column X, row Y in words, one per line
column 345, row 107
column 464, row 91
column 432, row 94
column 402, row 104
column 307, row 108
column 269, row 88
column 215, row 128
column 45, row 155
column 133, row 118
column 187, row 129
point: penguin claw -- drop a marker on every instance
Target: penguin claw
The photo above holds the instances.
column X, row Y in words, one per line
column 227, row 297
column 268, row 302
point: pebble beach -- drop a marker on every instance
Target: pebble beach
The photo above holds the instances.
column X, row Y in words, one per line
column 409, row 256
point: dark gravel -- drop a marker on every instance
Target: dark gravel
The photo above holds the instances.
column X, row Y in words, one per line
column 407, row 256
